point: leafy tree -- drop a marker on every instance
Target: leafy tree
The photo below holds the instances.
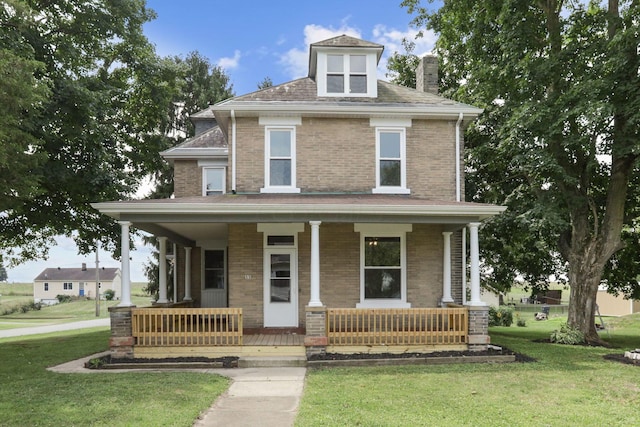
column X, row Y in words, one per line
column 195, row 84
column 71, row 130
column 402, row 66
column 265, row 83
column 560, row 85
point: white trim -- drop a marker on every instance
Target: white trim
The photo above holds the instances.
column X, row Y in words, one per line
column 402, row 188
column 314, row 288
column 268, row 188
column 220, row 163
column 384, row 230
column 381, row 229
column 280, row 121
column 280, row 229
column 370, row 72
column 390, row 122
column 204, row 179
column 271, row 316
column 125, row 276
column 233, row 151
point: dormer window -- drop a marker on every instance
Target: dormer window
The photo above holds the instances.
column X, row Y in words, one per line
column 213, row 181
column 347, row 74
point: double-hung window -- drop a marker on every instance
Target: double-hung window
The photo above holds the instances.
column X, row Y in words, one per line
column 346, row 74
column 213, row 181
column 280, row 160
column 391, row 161
column 383, row 267
column 67, row 286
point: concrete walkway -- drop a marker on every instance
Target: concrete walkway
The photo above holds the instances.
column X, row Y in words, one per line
column 17, row 332
column 267, row 397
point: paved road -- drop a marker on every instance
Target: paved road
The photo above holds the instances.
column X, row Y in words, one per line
column 18, row 332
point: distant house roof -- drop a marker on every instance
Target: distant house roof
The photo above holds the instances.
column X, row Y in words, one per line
column 77, row 274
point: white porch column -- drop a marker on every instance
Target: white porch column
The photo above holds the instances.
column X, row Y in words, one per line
column 446, row 268
column 475, row 264
column 162, row 271
column 125, row 298
column 187, row 274
column 174, row 262
column 315, row 264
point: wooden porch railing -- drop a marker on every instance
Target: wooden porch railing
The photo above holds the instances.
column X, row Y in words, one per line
column 187, row 326
column 412, row 326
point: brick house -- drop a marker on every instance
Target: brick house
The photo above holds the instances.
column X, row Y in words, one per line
column 336, row 190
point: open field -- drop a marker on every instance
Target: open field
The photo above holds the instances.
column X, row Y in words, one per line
column 566, row 386
column 81, row 309
column 31, row 395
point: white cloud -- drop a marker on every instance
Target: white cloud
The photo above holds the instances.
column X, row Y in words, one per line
column 392, row 38
column 296, row 60
column 227, row 63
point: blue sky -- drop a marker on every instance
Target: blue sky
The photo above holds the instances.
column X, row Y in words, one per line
column 250, row 40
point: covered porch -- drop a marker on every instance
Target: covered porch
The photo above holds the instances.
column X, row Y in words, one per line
column 303, row 264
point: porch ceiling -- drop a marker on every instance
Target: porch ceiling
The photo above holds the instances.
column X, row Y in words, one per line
column 204, row 218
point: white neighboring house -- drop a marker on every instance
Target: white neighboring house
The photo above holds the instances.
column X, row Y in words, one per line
column 76, row 282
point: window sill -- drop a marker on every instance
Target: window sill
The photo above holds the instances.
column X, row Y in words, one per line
column 382, row 303
column 391, row 190
column 277, row 190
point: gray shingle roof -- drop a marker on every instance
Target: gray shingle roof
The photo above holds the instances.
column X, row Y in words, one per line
column 77, row 274
column 305, row 90
column 346, row 41
column 212, row 138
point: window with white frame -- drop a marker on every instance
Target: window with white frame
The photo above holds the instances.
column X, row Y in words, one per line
column 67, row 286
column 391, row 174
column 280, row 159
column 46, row 286
column 383, row 269
column 346, row 74
column 213, row 181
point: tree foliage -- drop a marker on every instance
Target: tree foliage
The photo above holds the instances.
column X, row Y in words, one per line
column 401, row 67
column 559, row 139
column 85, row 108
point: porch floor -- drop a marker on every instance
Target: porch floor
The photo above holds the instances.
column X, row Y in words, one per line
column 273, row 340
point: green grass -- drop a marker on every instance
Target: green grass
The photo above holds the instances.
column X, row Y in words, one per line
column 76, row 310
column 568, row 385
column 31, row 395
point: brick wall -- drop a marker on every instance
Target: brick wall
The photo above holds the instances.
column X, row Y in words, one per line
column 338, row 155
column 424, row 265
column 187, row 178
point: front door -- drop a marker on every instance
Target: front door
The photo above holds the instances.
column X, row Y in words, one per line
column 280, row 287
column 214, row 287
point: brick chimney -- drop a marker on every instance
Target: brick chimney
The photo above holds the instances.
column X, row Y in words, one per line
column 84, row 266
column 427, row 74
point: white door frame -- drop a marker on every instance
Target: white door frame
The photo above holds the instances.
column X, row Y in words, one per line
column 281, row 313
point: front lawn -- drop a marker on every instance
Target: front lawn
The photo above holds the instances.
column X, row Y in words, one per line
column 31, row 395
column 567, row 386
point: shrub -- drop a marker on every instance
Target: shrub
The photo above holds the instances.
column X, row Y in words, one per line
column 567, row 335
column 501, row 316
column 63, row 298
column 521, row 323
column 109, row 294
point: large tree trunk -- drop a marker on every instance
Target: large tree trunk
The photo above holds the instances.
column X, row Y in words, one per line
column 585, row 272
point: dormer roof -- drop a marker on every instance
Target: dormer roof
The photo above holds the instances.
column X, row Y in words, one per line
column 208, row 144
column 340, row 42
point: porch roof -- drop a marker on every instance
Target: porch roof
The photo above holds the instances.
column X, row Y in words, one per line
column 178, row 218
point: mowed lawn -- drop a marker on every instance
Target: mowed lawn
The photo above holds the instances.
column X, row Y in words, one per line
column 32, row 396
column 567, row 386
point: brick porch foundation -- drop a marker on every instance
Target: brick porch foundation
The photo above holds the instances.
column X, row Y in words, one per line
column 315, row 340
column 478, row 328
column 121, row 341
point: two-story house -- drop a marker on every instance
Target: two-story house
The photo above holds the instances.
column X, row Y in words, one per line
column 333, row 191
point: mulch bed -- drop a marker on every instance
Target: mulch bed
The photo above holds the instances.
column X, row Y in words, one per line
column 618, row 357
column 227, row 362
column 360, row 356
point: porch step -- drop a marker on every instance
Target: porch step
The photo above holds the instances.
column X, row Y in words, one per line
column 272, row 362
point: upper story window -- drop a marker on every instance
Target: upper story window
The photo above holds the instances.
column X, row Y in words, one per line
column 280, row 157
column 391, row 161
column 213, row 181
column 347, row 74
column 391, row 155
